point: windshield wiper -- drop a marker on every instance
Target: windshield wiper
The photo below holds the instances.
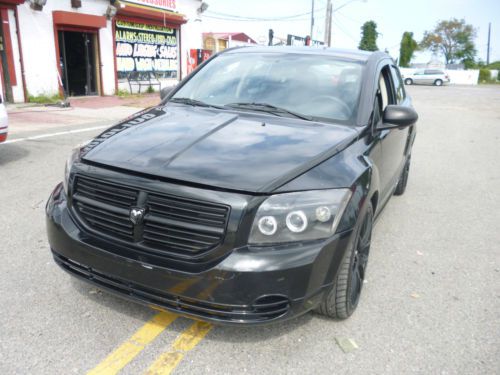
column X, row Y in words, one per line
column 195, row 103
column 264, row 107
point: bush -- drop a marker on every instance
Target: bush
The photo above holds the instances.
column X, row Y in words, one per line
column 150, row 90
column 484, row 75
column 498, row 76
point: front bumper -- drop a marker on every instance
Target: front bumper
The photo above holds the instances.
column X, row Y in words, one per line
column 249, row 286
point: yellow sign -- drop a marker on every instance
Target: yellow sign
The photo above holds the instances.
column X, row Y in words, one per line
column 169, row 5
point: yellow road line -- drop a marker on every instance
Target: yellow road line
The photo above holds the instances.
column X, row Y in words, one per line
column 133, row 346
column 185, row 342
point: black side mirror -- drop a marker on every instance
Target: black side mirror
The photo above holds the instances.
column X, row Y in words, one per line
column 165, row 91
column 398, row 116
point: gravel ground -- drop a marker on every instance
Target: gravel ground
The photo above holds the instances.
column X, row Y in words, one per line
column 430, row 305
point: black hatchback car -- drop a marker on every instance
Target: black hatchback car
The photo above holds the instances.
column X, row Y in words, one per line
column 249, row 194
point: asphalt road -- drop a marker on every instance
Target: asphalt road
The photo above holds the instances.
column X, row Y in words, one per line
column 431, row 304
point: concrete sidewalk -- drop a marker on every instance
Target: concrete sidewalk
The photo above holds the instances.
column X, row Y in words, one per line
column 26, row 118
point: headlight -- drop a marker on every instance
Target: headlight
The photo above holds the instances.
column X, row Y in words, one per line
column 74, row 156
column 300, row 216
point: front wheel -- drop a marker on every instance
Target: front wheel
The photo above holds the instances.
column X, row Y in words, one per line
column 343, row 299
column 408, row 81
column 438, row 82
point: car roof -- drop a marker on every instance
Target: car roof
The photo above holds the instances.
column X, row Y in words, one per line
column 356, row 55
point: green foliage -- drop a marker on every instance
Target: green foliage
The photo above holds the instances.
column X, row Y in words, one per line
column 123, row 93
column 484, row 75
column 453, row 38
column 150, row 90
column 407, row 48
column 494, row 65
column 368, row 36
column 45, row 98
column 498, row 76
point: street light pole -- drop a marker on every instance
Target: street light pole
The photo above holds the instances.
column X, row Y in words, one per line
column 328, row 23
column 328, row 19
column 312, row 20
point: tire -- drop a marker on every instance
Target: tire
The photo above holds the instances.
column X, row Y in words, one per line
column 343, row 298
column 403, row 179
column 408, row 81
column 438, row 82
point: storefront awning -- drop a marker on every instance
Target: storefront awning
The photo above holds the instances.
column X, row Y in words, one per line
column 78, row 19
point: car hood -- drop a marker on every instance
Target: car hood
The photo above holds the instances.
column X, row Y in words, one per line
column 242, row 151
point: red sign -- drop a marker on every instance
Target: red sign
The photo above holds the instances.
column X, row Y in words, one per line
column 156, row 4
column 196, row 57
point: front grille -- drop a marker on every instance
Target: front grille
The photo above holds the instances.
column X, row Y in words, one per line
column 264, row 309
column 170, row 226
column 105, row 207
column 179, row 223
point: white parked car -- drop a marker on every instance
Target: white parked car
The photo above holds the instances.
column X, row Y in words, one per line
column 4, row 123
column 434, row 77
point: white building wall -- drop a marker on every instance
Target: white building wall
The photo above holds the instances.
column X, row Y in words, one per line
column 39, row 49
column 39, row 54
column 191, row 32
column 107, row 59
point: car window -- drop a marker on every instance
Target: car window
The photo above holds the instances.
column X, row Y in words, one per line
column 323, row 87
column 398, row 84
column 383, row 96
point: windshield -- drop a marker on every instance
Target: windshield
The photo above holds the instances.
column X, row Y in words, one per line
column 312, row 86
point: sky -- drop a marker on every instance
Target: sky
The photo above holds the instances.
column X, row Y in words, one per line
column 393, row 17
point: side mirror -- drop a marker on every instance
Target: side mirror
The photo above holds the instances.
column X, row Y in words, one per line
column 165, row 91
column 398, row 116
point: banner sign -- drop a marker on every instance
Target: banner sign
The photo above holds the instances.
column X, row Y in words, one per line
column 294, row 40
column 146, row 48
column 156, row 4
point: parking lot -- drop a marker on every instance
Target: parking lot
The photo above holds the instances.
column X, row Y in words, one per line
column 430, row 305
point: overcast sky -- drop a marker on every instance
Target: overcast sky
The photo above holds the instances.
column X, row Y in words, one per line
column 393, row 17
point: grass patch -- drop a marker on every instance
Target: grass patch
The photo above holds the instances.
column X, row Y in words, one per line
column 45, row 99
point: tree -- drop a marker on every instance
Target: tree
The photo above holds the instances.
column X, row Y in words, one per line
column 407, row 48
column 454, row 39
column 368, row 36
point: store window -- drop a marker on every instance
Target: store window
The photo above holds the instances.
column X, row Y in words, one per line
column 146, row 48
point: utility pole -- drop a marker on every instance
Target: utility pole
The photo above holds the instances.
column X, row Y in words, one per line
column 488, row 50
column 312, row 20
column 328, row 24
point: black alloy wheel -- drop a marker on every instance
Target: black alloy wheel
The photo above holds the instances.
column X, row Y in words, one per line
column 343, row 299
column 360, row 260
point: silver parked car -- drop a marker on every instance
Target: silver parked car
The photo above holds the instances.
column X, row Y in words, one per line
column 427, row 77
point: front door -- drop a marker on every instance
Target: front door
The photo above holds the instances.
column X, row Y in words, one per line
column 393, row 141
column 78, row 60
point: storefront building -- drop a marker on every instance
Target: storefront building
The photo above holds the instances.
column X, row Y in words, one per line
column 90, row 47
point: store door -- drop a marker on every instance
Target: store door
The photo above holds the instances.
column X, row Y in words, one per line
column 78, row 59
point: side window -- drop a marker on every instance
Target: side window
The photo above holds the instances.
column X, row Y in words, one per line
column 384, row 95
column 398, row 84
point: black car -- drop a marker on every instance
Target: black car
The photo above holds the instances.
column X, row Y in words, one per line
column 249, row 194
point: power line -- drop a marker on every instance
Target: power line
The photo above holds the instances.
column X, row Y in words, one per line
column 255, row 20
column 236, row 17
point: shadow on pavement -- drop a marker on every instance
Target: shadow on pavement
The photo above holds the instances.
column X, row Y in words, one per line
column 11, row 152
